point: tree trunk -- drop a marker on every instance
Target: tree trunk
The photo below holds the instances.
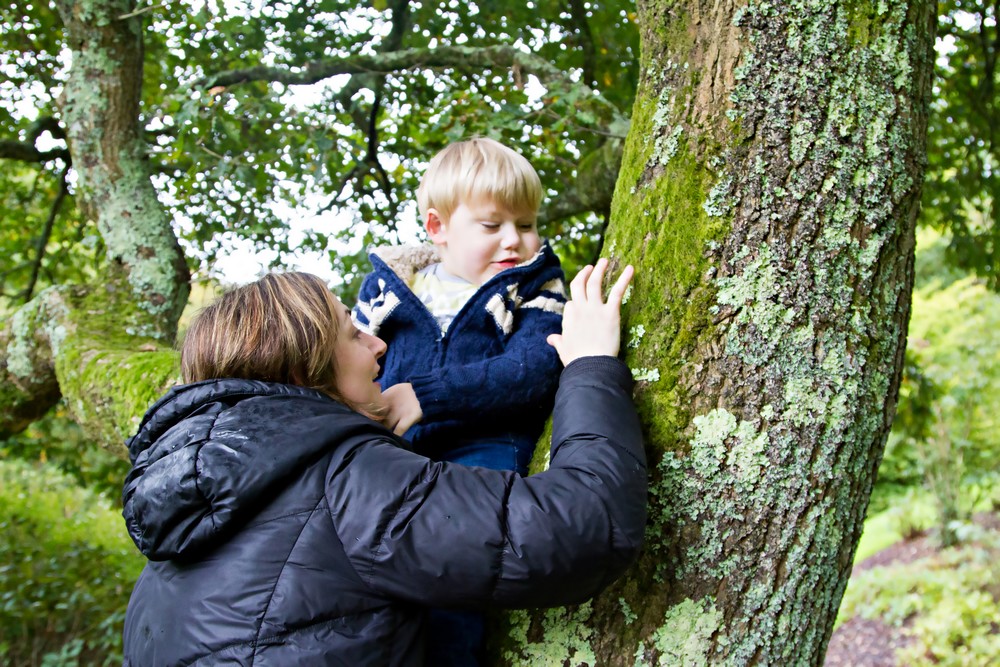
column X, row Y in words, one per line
column 767, row 196
column 104, row 348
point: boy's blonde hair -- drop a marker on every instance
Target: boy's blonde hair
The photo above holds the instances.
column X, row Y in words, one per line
column 478, row 168
column 281, row 328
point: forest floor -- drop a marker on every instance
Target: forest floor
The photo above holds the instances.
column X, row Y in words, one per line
column 861, row 642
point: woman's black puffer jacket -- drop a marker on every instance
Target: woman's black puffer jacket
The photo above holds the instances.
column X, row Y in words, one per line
column 282, row 528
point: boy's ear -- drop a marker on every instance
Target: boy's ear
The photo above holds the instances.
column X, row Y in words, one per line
column 435, row 227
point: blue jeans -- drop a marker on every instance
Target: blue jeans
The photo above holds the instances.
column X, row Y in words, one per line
column 493, row 455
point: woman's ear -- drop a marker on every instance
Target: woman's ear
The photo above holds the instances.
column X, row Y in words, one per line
column 436, row 229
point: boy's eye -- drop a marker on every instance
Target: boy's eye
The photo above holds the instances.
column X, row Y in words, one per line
column 490, row 225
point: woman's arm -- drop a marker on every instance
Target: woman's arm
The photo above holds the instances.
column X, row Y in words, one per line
column 451, row 535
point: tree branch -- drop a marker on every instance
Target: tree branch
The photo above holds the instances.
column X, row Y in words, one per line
column 381, row 177
column 467, row 59
column 28, row 385
column 105, row 348
column 59, row 345
column 586, row 41
column 376, row 83
column 43, row 238
column 25, row 152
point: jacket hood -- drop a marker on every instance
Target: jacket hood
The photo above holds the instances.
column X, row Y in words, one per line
column 406, row 260
column 208, row 455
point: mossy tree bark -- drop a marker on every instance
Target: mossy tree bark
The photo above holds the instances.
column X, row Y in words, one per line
column 768, row 196
column 103, row 347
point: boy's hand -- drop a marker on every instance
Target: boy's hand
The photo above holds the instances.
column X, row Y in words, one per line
column 402, row 408
column 590, row 326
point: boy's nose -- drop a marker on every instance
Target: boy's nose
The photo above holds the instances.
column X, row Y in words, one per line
column 511, row 239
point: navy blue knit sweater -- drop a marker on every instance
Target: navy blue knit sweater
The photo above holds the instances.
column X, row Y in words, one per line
column 491, row 377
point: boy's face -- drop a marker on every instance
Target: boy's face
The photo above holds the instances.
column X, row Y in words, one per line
column 481, row 239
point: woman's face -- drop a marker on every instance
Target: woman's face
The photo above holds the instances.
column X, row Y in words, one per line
column 356, row 357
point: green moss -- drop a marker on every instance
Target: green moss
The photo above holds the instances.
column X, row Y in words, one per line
column 543, row 448
column 109, row 376
column 114, row 388
column 667, row 295
column 659, row 203
column 669, row 27
column 864, row 21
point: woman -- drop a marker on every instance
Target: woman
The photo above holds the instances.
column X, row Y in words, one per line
column 283, row 525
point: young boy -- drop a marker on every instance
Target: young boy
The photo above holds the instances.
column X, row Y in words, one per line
column 468, row 375
column 466, row 318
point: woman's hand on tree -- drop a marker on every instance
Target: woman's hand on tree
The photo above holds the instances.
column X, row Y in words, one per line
column 591, row 327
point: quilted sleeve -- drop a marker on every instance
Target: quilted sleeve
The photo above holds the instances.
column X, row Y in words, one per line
column 450, row 535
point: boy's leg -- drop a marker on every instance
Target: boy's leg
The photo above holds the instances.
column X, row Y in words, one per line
column 455, row 638
column 495, row 455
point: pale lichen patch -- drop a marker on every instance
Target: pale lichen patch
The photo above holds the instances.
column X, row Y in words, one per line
column 635, row 334
column 565, row 638
column 645, row 374
column 19, row 350
column 686, row 637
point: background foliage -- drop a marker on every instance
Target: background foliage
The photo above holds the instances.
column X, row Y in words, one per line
column 947, row 414
column 246, row 159
column 67, row 570
column 946, row 603
column 962, row 182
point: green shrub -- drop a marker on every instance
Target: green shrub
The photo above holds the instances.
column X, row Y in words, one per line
column 911, row 514
column 944, row 434
column 67, row 570
column 55, row 439
column 948, row 602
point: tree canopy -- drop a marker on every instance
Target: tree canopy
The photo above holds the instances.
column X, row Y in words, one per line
column 256, row 113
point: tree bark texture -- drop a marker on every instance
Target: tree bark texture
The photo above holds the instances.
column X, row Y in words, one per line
column 102, row 347
column 768, row 196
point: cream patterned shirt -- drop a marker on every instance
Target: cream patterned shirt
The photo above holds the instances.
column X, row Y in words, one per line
column 441, row 292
